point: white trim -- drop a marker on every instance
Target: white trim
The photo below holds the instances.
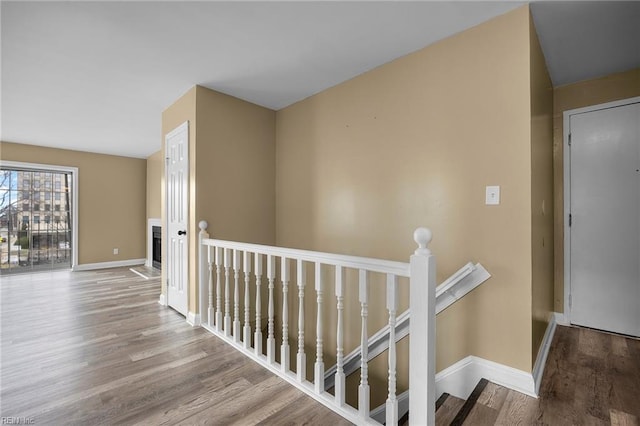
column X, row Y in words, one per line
column 543, row 352
column 560, row 319
column 139, row 273
column 151, row 222
column 162, row 300
column 193, row 319
column 105, row 265
column 74, row 195
column 566, row 121
column 461, row 378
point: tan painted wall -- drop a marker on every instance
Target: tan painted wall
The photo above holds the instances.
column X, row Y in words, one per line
column 415, row 142
column 541, row 194
column 586, row 93
column 232, row 169
column 155, row 176
column 112, row 199
column 235, row 171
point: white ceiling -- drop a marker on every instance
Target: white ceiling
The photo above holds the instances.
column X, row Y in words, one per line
column 95, row 76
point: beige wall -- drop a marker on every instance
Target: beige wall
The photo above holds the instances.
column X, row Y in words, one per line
column 111, row 199
column 232, row 169
column 415, row 142
column 155, row 175
column 235, row 172
column 586, row 93
column 541, row 194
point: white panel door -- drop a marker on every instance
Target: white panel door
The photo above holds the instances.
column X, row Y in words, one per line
column 605, row 219
column 177, row 180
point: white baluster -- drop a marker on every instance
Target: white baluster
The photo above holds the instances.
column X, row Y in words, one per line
column 422, row 371
column 247, row 299
column 237, row 255
column 227, row 272
column 210, row 310
column 204, row 273
column 301, row 358
column 363, row 389
column 339, row 377
column 392, row 307
column 218, row 289
column 257, row 336
column 284, row 348
column 271, row 340
column 319, row 365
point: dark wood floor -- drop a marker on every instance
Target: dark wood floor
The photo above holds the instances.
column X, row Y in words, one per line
column 591, row 378
column 92, row 348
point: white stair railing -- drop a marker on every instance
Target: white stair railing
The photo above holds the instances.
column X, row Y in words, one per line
column 217, row 256
column 451, row 290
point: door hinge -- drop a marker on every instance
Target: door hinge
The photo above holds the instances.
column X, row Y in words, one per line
column 569, row 139
column 570, row 219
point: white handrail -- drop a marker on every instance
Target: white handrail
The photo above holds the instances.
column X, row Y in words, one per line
column 233, row 259
column 346, row 261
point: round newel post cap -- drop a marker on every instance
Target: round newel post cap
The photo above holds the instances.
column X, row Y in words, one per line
column 203, row 225
column 422, row 237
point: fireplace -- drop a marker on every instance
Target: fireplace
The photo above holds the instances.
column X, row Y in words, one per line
column 156, row 247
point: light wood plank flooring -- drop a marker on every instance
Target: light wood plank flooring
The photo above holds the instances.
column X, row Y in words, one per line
column 92, row 348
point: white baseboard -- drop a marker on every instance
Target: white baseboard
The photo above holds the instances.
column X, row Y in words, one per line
column 461, row 378
column 163, row 300
column 106, row 265
column 543, row 351
column 561, row 319
column 193, row 319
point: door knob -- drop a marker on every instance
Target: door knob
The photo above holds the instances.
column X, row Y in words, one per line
column 182, row 232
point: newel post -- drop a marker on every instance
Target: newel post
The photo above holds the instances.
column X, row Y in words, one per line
column 203, row 271
column 422, row 355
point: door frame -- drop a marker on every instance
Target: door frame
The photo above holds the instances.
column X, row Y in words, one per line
column 74, row 193
column 566, row 150
column 165, row 223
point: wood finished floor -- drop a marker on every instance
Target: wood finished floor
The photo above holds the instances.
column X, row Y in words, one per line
column 92, row 348
column 591, row 378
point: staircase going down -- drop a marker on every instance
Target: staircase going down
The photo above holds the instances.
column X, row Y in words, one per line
column 488, row 404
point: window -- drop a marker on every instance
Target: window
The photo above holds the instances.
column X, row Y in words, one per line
column 25, row 220
column 47, row 207
column 26, row 184
column 36, row 219
column 56, row 186
column 47, row 219
column 36, row 184
column 57, row 196
column 36, row 207
column 47, row 195
column 25, row 207
column 56, row 219
column 57, row 207
column 26, row 195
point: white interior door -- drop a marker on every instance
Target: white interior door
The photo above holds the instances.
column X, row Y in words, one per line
column 177, row 180
column 605, row 219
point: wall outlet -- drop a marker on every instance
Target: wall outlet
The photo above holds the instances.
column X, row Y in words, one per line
column 116, row 251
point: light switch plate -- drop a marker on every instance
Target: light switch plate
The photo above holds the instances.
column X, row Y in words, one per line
column 492, row 196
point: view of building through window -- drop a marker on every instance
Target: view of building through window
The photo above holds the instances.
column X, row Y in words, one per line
column 35, row 220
